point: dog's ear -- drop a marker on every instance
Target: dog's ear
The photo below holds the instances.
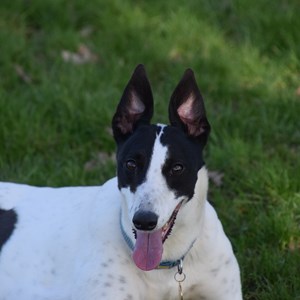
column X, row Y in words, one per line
column 135, row 107
column 186, row 108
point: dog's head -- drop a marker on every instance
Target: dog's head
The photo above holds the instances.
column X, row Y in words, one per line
column 157, row 165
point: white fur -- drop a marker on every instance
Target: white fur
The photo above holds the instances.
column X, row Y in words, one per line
column 68, row 245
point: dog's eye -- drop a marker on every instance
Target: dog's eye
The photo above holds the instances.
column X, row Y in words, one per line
column 177, row 169
column 131, row 165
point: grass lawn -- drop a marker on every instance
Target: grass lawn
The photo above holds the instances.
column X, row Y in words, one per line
column 63, row 67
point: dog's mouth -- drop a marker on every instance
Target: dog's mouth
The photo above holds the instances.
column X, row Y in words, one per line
column 148, row 249
column 167, row 228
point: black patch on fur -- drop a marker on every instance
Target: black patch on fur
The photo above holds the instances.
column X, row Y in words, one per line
column 181, row 149
column 8, row 220
column 185, row 151
column 158, row 129
column 138, row 147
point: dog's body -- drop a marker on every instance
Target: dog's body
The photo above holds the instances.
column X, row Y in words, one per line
column 121, row 240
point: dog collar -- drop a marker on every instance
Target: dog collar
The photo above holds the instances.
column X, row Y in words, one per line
column 165, row 264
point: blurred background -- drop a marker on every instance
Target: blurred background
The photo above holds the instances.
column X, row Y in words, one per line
column 64, row 65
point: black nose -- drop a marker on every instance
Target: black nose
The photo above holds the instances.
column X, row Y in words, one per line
column 145, row 220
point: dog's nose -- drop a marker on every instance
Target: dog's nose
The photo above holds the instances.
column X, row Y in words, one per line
column 145, row 220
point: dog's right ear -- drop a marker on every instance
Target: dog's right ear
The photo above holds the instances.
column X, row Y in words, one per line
column 135, row 107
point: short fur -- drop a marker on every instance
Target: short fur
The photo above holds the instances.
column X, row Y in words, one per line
column 106, row 242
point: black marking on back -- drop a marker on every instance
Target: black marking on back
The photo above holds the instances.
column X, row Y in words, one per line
column 8, row 220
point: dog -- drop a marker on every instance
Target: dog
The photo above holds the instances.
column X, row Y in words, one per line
column 149, row 233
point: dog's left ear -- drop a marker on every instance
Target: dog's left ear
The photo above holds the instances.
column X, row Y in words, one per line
column 135, row 107
column 186, row 108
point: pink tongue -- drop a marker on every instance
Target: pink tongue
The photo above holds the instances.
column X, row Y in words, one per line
column 148, row 250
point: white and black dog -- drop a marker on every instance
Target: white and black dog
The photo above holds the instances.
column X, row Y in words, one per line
column 137, row 235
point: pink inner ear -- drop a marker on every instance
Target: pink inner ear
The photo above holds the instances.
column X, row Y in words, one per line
column 136, row 105
column 134, row 110
column 185, row 110
column 189, row 115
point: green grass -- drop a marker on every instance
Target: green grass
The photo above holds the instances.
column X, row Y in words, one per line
column 246, row 57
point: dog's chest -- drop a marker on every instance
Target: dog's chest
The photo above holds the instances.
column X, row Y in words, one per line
column 179, row 291
column 161, row 284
